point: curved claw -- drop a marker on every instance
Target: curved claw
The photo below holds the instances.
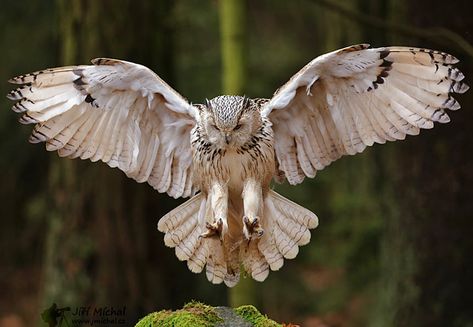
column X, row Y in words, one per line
column 252, row 228
column 214, row 229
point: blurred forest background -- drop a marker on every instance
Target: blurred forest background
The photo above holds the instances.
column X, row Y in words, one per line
column 394, row 246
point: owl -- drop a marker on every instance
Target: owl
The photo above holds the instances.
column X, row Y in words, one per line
column 225, row 153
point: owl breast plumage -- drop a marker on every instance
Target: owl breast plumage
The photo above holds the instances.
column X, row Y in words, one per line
column 225, row 153
column 233, row 164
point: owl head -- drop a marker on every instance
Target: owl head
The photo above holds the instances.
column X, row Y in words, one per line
column 230, row 121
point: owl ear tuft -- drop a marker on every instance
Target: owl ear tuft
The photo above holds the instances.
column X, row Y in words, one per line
column 246, row 101
column 208, row 104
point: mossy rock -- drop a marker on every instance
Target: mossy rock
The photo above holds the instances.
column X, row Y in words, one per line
column 254, row 317
column 196, row 314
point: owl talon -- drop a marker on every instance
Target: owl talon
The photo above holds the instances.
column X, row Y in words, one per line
column 215, row 229
column 252, row 228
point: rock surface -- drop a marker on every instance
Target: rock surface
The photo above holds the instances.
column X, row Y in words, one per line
column 230, row 318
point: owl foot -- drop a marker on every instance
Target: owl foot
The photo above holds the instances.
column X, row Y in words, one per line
column 215, row 229
column 252, row 227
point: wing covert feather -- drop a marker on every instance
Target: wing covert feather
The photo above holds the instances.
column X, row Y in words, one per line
column 114, row 111
column 346, row 100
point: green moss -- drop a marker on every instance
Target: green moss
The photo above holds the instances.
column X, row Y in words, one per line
column 253, row 316
column 204, row 311
column 152, row 319
column 194, row 314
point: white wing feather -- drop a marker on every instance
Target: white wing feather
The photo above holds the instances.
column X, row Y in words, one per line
column 346, row 100
column 114, row 111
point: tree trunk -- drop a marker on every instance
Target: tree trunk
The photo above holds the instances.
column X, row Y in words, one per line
column 434, row 285
column 234, row 63
column 98, row 222
column 63, row 277
column 233, row 39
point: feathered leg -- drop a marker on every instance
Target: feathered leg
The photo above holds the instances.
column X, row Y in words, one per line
column 252, row 203
column 216, row 222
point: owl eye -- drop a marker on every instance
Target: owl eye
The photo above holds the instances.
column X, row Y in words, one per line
column 237, row 127
column 213, row 126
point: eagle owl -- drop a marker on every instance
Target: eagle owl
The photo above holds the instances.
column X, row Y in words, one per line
column 225, row 153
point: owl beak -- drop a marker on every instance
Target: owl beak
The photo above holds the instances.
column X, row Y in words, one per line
column 228, row 138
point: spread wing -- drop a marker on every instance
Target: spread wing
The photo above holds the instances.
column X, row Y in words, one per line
column 346, row 100
column 115, row 111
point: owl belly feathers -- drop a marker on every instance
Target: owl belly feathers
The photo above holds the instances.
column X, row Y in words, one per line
column 236, row 170
column 226, row 176
column 233, row 167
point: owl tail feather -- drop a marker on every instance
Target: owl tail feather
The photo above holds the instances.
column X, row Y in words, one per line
column 183, row 227
column 287, row 226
